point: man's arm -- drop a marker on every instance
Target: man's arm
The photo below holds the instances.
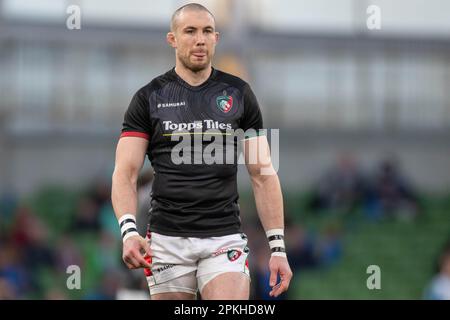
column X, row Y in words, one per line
column 269, row 203
column 130, row 156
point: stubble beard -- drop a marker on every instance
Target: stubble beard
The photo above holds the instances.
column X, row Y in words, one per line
column 192, row 66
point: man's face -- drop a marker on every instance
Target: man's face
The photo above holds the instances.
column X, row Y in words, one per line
column 194, row 39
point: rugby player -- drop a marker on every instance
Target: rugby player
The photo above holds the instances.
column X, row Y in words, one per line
column 194, row 241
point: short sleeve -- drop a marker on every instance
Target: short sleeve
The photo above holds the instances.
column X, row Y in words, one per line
column 137, row 118
column 252, row 118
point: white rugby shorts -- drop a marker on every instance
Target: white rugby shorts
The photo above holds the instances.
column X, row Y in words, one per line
column 198, row 258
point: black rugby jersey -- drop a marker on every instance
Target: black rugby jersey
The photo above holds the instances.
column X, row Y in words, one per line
column 192, row 198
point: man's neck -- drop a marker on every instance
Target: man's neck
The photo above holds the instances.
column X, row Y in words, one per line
column 193, row 78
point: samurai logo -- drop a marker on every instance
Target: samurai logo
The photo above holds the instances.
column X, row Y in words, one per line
column 224, row 103
column 233, row 254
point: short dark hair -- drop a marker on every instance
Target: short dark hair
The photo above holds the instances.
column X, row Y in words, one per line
column 189, row 6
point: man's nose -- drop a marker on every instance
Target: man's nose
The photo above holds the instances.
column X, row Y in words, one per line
column 200, row 39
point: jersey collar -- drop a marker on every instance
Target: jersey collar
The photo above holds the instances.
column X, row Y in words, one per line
column 187, row 85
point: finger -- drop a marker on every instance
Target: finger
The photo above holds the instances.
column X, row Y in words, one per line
column 274, row 289
column 284, row 285
column 273, row 276
column 141, row 262
column 131, row 262
column 129, row 266
column 147, row 248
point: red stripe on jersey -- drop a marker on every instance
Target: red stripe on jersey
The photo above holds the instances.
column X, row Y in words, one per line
column 135, row 134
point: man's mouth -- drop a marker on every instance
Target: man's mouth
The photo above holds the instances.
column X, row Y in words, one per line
column 199, row 54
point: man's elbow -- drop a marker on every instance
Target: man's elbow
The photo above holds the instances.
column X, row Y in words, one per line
column 121, row 176
column 260, row 175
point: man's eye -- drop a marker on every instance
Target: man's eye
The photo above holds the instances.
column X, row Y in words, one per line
column 190, row 31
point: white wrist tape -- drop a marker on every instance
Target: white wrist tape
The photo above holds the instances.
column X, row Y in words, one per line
column 276, row 242
column 127, row 224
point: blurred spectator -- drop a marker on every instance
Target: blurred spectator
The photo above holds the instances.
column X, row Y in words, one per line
column 108, row 221
column 87, row 216
column 392, row 194
column 300, row 248
column 110, row 253
column 109, row 285
column 55, row 294
column 330, row 246
column 31, row 252
column 101, row 192
column 67, row 253
column 134, row 285
column 24, row 220
column 38, row 253
column 8, row 204
column 439, row 288
column 7, row 292
column 101, row 195
column 13, row 276
column 342, row 188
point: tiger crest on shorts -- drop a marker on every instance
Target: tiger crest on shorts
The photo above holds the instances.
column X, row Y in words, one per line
column 233, row 254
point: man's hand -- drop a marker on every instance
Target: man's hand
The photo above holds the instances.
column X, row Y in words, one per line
column 279, row 266
column 134, row 250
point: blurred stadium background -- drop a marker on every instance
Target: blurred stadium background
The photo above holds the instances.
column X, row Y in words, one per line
column 364, row 118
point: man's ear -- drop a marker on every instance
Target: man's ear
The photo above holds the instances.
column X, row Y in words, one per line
column 171, row 39
column 217, row 37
